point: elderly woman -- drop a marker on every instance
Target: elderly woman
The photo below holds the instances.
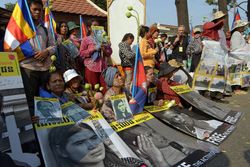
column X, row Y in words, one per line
column 115, row 82
column 75, row 90
column 54, row 87
column 237, row 39
column 94, row 61
column 167, row 70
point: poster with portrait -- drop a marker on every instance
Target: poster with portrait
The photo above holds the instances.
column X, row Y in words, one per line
column 209, row 107
column 121, row 108
column 48, row 109
column 100, row 35
column 17, row 138
column 90, row 141
column 196, row 125
column 74, row 112
column 152, row 92
column 159, row 145
column 211, row 73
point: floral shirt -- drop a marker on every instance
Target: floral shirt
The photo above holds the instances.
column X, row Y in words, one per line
column 88, row 47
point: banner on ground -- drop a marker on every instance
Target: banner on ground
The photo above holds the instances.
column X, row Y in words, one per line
column 210, row 107
column 18, row 138
column 158, row 145
column 90, row 141
column 196, row 125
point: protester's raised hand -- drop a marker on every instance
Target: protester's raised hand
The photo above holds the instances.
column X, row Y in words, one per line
column 41, row 55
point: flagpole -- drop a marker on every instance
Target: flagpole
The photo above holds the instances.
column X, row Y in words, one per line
column 135, row 71
column 32, row 24
column 81, row 26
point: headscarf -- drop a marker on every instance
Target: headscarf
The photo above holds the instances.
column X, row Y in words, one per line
column 109, row 75
column 210, row 30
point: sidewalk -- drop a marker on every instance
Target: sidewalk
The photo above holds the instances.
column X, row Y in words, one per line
column 236, row 149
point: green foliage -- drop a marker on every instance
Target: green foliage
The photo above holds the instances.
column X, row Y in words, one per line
column 215, row 2
column 101, row 3
column 9, row 6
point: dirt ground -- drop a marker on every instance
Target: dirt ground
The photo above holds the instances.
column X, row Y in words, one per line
column 236, row 149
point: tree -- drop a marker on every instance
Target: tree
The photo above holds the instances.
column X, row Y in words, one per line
column 9, row 6
column 248, row 10
column 101, row 3
column 182, row 13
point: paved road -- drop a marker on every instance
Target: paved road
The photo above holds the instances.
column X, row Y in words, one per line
column 236, row 149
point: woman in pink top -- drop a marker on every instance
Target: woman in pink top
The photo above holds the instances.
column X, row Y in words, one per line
column 94, row 61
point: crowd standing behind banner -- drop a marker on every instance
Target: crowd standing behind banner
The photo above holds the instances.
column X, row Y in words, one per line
column 86, row 60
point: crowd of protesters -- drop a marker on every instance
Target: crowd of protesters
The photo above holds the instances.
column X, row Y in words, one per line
column 84, row 61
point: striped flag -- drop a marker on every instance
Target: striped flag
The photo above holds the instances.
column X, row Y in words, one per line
column 49, row 18
column 18, row 32
column 139, row 87
column 236, row 17
column 83, row 29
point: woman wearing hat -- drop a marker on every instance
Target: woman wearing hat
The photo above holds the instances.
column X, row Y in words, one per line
column 218, row 17
column 73, row 30
column 237, row 39
column 76, row 91
column 147, row 51
column 210, row 30
column 167, row 70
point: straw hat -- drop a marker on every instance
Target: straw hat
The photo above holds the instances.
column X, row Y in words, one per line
column 218, row 15
column 197, row 29
column 212, row 25
column 72, row 25
column 168, row 67
column 239, row 23
column 70, row 74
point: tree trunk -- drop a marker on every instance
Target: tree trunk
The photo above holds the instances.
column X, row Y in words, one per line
column 248, row 10
column 223, row 7
column 182, row 13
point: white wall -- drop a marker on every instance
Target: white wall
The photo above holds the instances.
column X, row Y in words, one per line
column 119, row 24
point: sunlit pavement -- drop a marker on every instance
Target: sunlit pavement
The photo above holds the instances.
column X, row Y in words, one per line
column 236, row 148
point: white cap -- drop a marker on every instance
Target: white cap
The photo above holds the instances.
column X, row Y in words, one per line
column 70, row 74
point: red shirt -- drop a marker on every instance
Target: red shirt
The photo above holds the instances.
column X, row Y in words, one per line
column 165, row 92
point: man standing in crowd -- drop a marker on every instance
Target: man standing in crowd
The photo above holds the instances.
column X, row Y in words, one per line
column 34, row 69
column 180, row 44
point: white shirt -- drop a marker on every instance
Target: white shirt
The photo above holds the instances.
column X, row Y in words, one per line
column 237, row 41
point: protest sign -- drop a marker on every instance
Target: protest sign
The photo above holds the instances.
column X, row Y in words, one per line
column 196, row 125
column 209, row 107
column 121, row 107
column 74, row 112
column 90, row 141
column 158, row 145
column 48, row 109
column 211, row 71
column 18, row 135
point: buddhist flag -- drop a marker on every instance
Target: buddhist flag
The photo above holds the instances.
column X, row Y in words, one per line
column 139, row 87
column 18, row 32
column 49, row 19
